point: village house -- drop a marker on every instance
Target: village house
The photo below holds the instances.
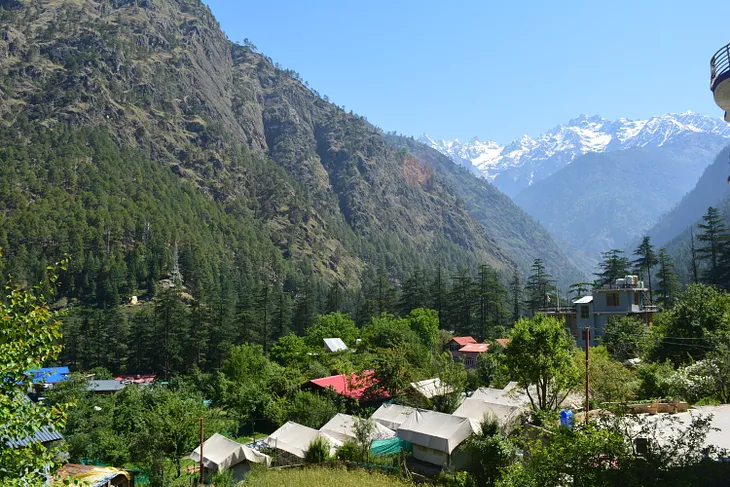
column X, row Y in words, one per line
column 626, row 296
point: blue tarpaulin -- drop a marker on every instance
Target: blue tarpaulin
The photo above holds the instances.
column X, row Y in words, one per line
column 49, row 375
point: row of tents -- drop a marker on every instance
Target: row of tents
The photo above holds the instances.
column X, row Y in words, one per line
column 433, row 437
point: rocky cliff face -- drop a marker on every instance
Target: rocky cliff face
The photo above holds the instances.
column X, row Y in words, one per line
column 162, row 77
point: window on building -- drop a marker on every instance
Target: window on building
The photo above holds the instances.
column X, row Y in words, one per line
column 584, row 313
column 469, row 362
column 454, row 347
column 636, row 299
column 612, row 299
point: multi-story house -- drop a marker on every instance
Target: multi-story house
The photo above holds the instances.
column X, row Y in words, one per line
column 624, row 297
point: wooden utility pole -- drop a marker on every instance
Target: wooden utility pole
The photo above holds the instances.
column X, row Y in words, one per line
column 588, row 362
column 202, row 440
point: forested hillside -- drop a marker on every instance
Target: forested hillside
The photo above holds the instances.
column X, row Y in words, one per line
column 710, row 190
column 325, row 190
column 327, row 197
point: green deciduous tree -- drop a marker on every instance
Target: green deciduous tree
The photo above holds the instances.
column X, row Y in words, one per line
column 333, row 325
column 700, row 316
column 29, row 335
column 540, row 357
column 625, row 337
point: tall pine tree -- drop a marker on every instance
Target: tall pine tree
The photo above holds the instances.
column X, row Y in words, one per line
column 539, row 286
column 713, row 238
column 613, row 266
column 646, row 260
column 668, row 283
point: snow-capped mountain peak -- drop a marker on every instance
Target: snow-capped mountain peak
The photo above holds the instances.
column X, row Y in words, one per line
column 526, row 160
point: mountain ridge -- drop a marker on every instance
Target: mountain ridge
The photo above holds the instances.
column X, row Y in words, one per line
column 336, row 199
column 519, row 164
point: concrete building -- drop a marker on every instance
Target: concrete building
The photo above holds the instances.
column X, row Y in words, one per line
column 626, row 296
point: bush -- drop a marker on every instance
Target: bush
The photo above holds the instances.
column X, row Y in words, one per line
column 318, row 451
column 654, row 380
column 350, row 452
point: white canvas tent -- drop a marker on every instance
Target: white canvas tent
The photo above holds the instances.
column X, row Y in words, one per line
column 342, row 428
column 221, row 453
column 498, row 403
column 391, row 415
column 431, row 388
column 434, row 435
column 293, row 438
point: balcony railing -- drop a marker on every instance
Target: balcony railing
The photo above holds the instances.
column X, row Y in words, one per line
column 720, row 66
column 557, row 310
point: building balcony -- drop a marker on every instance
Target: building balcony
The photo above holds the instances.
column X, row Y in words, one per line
column 720, row 79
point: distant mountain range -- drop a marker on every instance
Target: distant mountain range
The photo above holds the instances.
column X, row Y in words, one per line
column 608, row 200
column 519, row 164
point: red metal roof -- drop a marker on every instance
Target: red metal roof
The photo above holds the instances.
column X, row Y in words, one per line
column 503, row 341
column 463, row 340
column 474, row 348
column 353, row 386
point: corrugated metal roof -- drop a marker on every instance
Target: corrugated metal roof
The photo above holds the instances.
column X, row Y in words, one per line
column 106, row 385
column 584, row 300
column 354, row 386
column 334, row 345
column 463, row 340
column 44, row 435
column 475, row 348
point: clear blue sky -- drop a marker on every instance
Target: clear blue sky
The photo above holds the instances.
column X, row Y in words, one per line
column 491, row 69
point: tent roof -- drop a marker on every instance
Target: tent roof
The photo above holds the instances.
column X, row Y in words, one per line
column 430, row 388
column 391, row 415
column 717, row 436
column 503, row 405
column 342, row 427
column 334, row 345
column 295, row 438
column 583, row 300
column 221, row 453
column 438, row 431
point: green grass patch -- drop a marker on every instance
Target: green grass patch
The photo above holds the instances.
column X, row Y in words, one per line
column 322, row 477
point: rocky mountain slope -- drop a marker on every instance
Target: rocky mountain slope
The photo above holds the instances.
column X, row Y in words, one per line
column 324, row 187
column 606, row 200
column 525, row 239
column 514, row 167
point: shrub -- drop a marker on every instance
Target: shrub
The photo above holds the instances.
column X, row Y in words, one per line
column 349, row 452
column 318, row 451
